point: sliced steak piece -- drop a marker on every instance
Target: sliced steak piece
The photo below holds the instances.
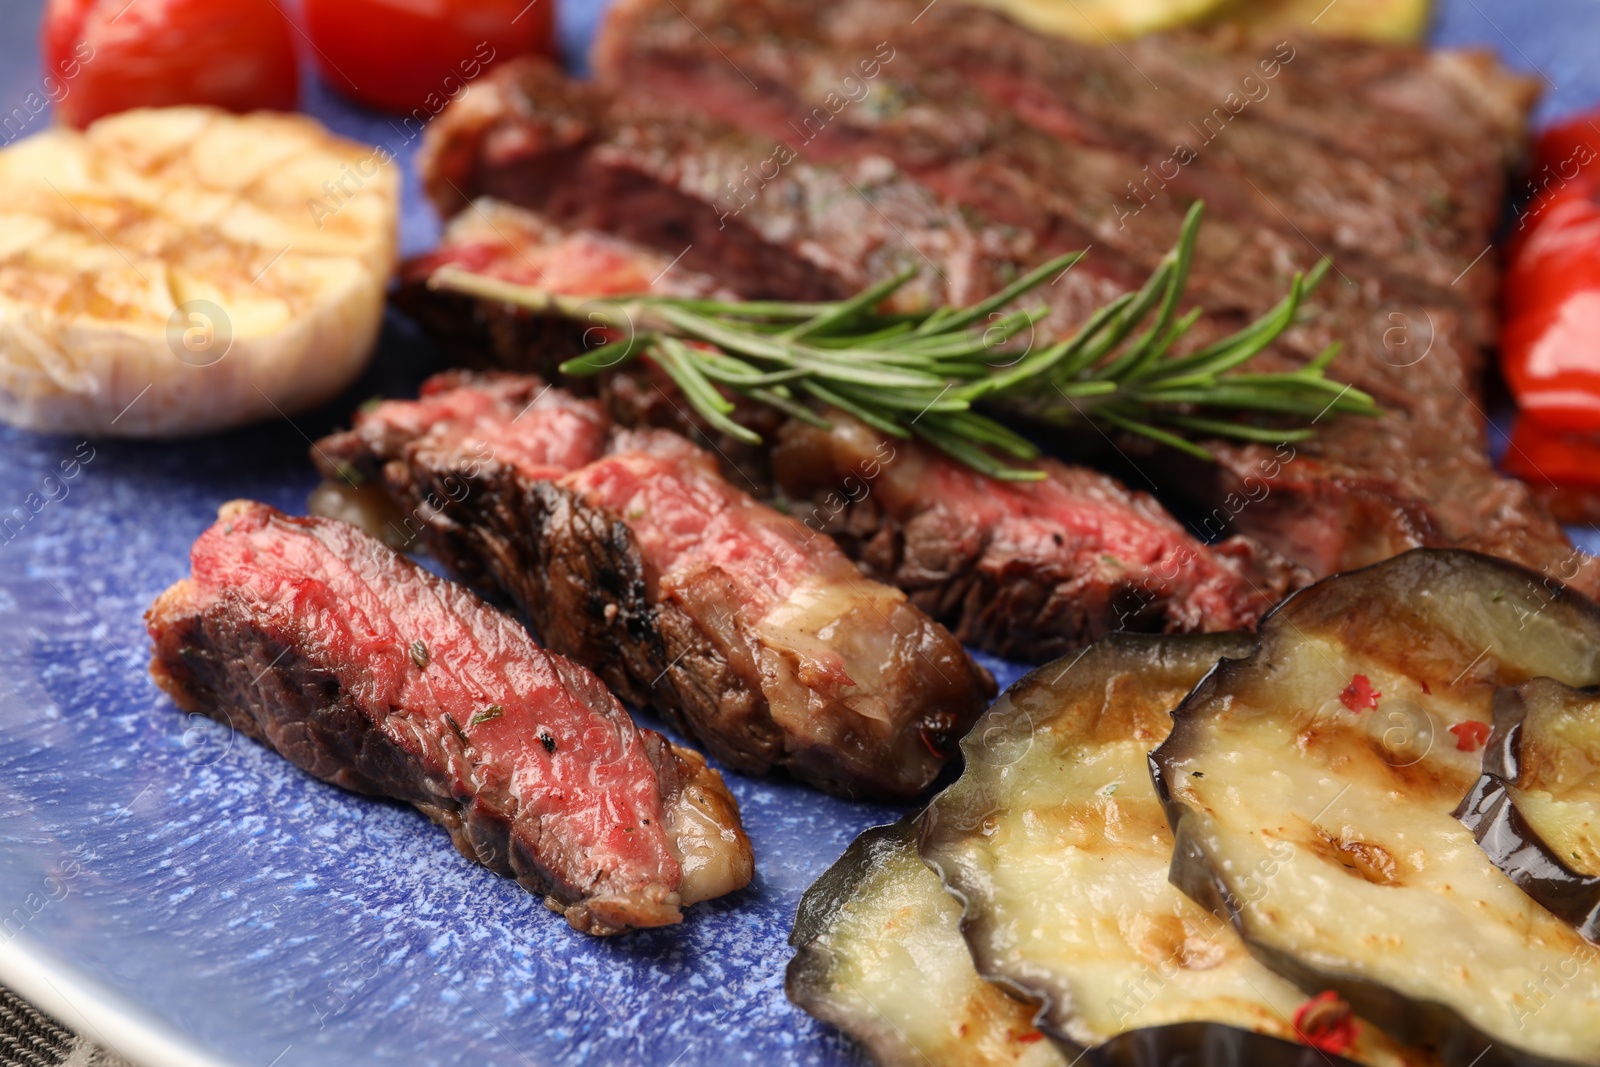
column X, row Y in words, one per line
column 368, row 672
column 933, row 168
column 523, row 248
column 1025, row 570
column 663, row 179
column 634, row 556
column 1393, row 160
column 519, row 246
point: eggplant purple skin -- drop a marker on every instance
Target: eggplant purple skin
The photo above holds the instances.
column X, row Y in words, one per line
column 836, row 886
column 1206, row 1045
column 1411, row 1021
column 1510, row 842
column 808, row 980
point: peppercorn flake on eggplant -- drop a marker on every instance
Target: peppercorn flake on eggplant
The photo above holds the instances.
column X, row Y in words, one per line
column 1312, row 788
column 171, row 271
column 1536, row 810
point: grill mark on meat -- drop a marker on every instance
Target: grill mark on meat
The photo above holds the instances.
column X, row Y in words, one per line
column 757, row 636
column 1422, row 470
column 301, row 633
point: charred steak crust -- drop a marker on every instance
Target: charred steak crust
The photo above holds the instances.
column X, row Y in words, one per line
column 984, row 149
column 595, row 584
column 262, row 653
column 686, row 641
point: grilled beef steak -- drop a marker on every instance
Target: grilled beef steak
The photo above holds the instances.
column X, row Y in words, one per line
column 963, row 142
column 1391, row 160
column 632, row 554
column 1026, row 570
column 1021, row 570
column 368, row 672
column 518, row 246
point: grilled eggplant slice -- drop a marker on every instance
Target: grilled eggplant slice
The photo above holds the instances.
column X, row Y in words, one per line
column 1536, row 810
column 881, row 957
column 1055, row 841
column 1312, row 790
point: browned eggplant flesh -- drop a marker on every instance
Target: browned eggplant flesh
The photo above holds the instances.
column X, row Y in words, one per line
column 1056, row 843
column 1312, row 788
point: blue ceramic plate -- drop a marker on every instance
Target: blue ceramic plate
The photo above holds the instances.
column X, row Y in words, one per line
column 187, row 897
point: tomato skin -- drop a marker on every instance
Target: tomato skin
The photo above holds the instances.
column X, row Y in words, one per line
column 233, row 54
column 405, row 55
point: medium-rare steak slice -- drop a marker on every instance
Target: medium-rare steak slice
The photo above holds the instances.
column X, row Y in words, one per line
column 931, row 168
column 1021, row 570
column 368, row 672
column 523, row 248
column 656, row 176
column 518, row 246
column 1026, row 570
column 633, row 555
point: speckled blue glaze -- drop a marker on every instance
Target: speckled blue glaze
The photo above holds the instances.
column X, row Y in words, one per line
column 280, row 921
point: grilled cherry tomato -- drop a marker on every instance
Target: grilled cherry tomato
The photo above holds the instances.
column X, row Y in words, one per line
column 234, row 54
column 1550, row 345
column 405, row 55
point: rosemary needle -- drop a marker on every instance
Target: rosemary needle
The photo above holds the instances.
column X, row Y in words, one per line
column 924, row 373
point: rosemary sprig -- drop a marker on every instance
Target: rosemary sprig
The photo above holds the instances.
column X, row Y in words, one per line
column 924, row 373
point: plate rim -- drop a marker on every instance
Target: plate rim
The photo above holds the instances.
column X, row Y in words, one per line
column 94, row 1012
column 68, row 992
